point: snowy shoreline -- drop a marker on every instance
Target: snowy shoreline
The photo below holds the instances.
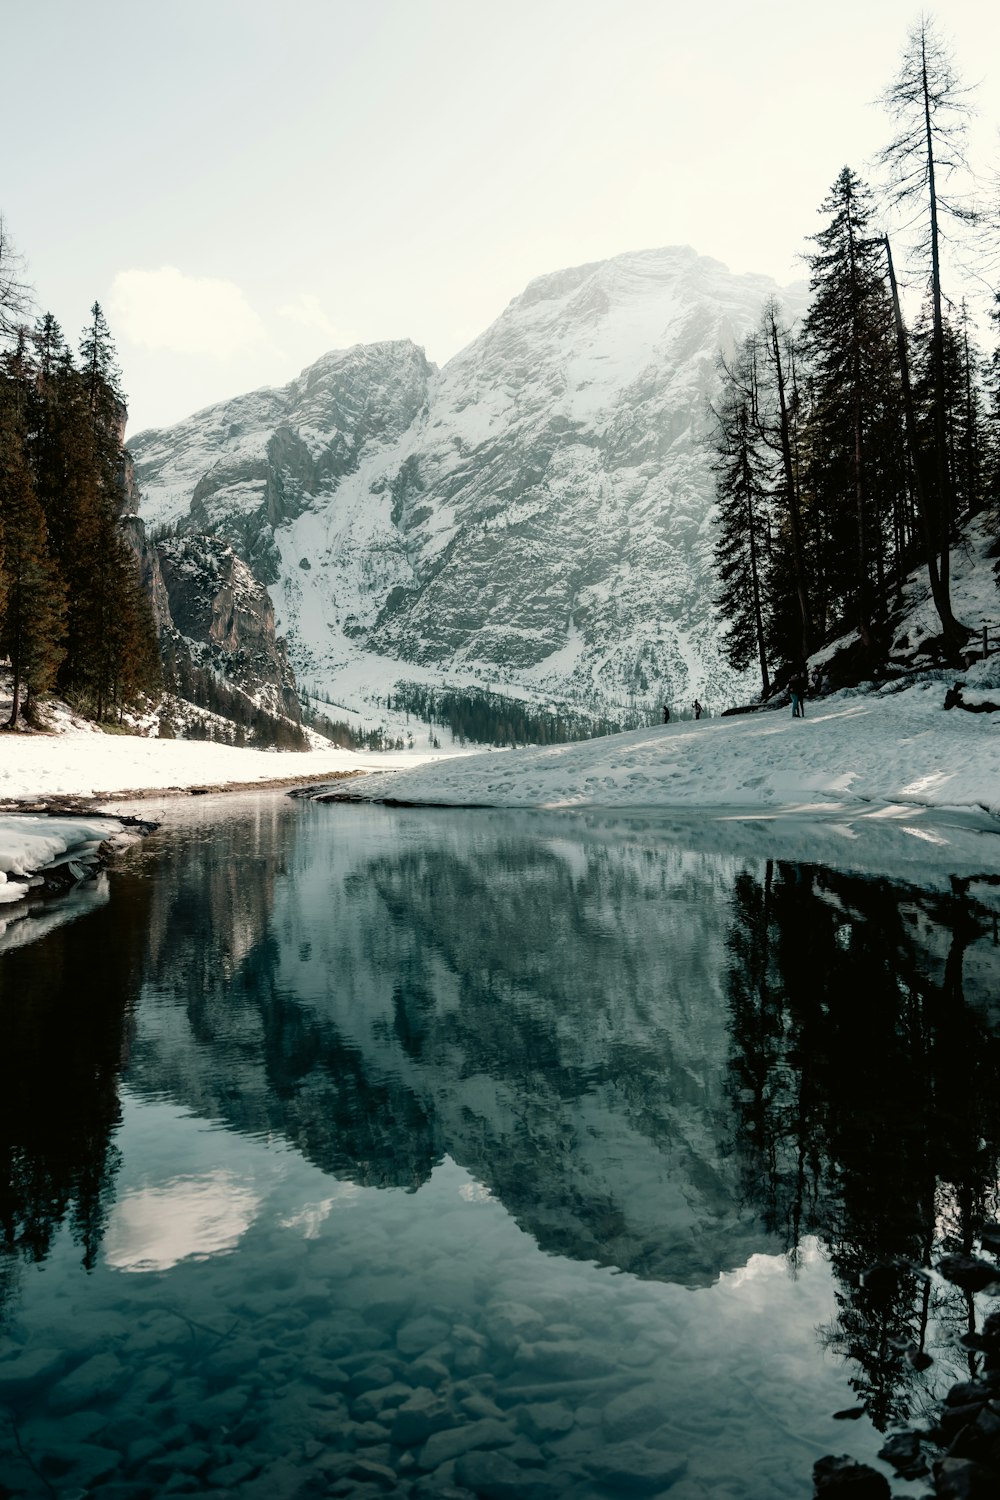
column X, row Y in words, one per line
column 53, row 788
column 892, row 766
column 894, row 748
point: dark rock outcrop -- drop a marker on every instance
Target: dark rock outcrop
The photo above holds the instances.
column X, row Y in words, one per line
column 224, row 618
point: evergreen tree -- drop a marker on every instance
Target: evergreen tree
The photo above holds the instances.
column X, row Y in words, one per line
column 931, row 107
column 742, row 494
column 780, row 359
column 32, row 616
column 855, row 409
column 99, row 364
column 968, row 420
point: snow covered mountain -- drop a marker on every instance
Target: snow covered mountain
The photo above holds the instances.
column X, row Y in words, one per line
column 535, row 517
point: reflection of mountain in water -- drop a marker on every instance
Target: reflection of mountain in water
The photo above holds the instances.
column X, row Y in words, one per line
column 546, row 1012
column 547, row 1005
column 655, row 1059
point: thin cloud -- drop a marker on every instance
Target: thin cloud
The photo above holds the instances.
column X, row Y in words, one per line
column 308, row 312
column 168, row 310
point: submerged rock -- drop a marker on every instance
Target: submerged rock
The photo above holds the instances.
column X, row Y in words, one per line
column 845, row 1479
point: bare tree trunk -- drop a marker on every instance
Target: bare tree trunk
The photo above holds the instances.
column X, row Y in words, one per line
column 794, row 515
column 954, row 633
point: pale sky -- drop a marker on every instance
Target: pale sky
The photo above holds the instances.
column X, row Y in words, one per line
column 244, row 184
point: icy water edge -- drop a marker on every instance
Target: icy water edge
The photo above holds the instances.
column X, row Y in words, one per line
column 357, row 1151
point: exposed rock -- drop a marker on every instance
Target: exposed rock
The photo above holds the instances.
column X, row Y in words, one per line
column 537, row 512
column 964, row 1479
column 225, row 618
column 454, row 1441
column 845, row 1479
column 631, row 1467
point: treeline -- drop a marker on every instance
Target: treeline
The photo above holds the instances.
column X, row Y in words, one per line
column 73, row 615
column 854, row 449
column 247, row 722
column 491, row 719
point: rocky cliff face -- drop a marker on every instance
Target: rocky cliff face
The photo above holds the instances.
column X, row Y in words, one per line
column 223, row 619
column 536, row 515
column 215, row 622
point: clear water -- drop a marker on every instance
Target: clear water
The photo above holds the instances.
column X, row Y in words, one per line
column 356, row 1151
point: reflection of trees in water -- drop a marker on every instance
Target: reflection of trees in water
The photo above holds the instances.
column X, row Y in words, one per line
column 65, row 1004
column 867, row 1099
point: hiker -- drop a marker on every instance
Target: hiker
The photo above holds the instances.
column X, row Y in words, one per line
column 797, row 688
column 666, row 713
column 697, row 709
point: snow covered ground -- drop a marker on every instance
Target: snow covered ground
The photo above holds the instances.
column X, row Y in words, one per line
column 889, row 748
column 890, row 767
column 84, row 763
column 884, row 781
column 29, row 844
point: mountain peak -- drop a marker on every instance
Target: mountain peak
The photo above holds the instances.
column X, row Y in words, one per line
column 534, row 516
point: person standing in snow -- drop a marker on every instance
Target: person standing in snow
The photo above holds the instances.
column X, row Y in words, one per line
column 697, row 709
column 797, row 688
column 666, row 713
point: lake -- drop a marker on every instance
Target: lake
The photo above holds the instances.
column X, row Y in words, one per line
column 361, row 1151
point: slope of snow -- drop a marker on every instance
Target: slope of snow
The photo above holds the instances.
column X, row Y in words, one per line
column 893, row 763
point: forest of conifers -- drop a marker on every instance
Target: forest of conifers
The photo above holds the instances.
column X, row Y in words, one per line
column 73, row 615
column 854, row 449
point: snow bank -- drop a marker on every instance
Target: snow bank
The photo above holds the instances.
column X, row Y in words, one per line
column 890, row 749
column 84, row 764
column 29, row 844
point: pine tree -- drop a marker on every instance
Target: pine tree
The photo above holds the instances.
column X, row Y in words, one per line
column 99, row 364
column 854, row 409
column 931, row 107
column 780, row 358
column 742, row 494
column 34, row 601
column 968, row 420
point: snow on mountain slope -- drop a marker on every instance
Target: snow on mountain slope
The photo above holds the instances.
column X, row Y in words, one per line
column 535, row 517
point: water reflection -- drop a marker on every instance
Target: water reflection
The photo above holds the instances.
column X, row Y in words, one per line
column 66, row 1004
column 866, row 1096
column 655, row 1059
